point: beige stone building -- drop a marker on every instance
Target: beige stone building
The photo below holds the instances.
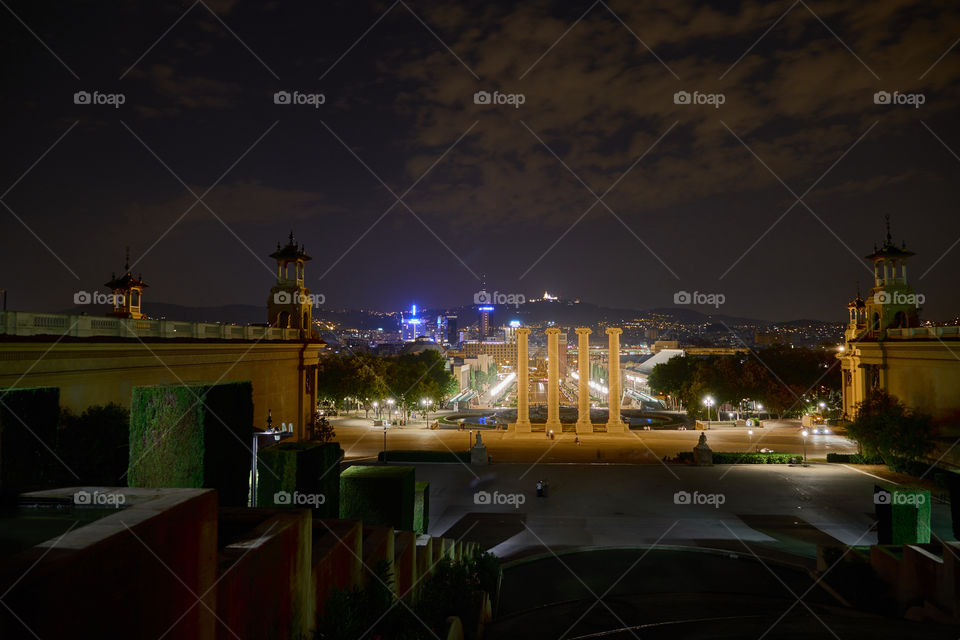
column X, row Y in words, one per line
column 886, row 348
column 97, row 360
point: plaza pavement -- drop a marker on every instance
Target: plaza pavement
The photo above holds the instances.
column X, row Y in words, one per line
column 360, row 440
column 776, row 509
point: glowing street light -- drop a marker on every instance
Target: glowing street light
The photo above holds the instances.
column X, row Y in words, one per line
column 750, row 433
column 805, row 433
column 709, row 402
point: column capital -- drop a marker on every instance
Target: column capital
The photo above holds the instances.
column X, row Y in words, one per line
column 583, row 331
column 552, row 331
column 523, row 332
column 614, row 331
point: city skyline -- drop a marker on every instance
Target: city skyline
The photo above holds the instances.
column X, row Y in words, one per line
column 621, row 173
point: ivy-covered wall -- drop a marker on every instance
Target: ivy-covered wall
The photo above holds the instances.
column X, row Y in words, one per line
column 308, row 469
column 196, row 435
column 378, row 495
column 28, row 438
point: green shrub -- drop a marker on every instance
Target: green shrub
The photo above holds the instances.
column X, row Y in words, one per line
column 854, row 458
column 193, row 436
column 747, row 457
column 426, row 456
column 301, row 467
column 96, row 445
column 28, row 439
column 378, row 495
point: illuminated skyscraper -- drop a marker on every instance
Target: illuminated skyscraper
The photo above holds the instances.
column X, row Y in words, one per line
column 411, row 327
column 483, row 324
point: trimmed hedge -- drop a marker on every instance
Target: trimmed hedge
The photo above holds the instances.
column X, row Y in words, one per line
column 426, row 456
column 304, row 468
column 28, row 438
column 904, row 517
column 854, row 458
column 177, row 440
column 378, row 495
column 421, row 507
column 96, row 445
column 748, row 457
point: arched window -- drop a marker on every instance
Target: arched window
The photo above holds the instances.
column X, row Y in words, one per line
column 283, row 320
column 875, row 325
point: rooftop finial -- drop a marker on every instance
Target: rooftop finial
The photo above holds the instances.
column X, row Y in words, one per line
column 889, row 237
column 291, row 236
column 126, row 265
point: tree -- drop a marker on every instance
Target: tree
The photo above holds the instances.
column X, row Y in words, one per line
column 886, row 427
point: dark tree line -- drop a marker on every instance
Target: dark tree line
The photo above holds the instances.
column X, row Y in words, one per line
column 781, row 378
column 367, row 378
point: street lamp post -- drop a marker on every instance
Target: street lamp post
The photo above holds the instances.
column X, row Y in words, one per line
column 390, row 410
column 708, row 402
column 385, row 443
column 805, row 433
column 750, row 433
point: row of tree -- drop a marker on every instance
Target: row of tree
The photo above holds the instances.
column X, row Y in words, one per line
column 781, row 378
column 366, row 378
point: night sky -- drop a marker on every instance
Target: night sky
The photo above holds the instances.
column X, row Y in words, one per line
column 695, row 197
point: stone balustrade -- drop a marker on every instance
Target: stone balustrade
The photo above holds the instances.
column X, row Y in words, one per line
column 24, row 323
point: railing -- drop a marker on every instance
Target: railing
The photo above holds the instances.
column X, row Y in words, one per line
column 25, row 323
column 923, row 333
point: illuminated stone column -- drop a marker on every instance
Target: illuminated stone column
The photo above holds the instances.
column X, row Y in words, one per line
column 583, row 370
column 522, row 424
column 553, row 380
column 614, row 424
